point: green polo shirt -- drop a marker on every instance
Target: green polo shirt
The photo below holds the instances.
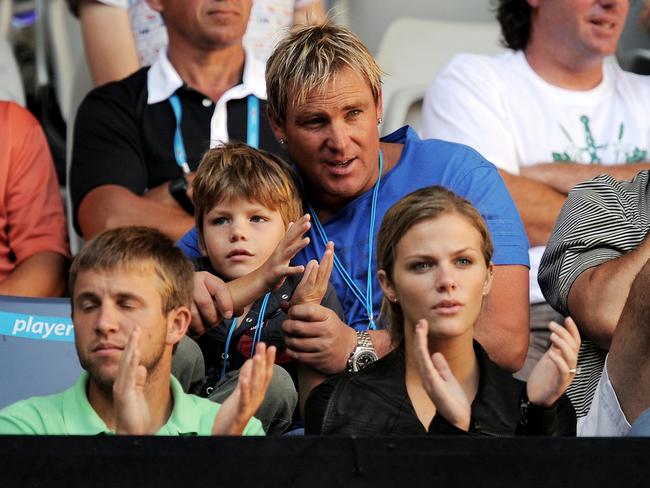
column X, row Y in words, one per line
column 70, row 413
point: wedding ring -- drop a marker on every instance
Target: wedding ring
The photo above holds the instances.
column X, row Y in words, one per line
column 573, row 370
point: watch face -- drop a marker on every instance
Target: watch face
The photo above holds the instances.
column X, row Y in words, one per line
column 363, row 359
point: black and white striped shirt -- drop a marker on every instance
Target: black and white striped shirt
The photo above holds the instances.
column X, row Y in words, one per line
column 601, row 220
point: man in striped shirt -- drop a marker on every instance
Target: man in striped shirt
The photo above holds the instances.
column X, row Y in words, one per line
column 596, row 269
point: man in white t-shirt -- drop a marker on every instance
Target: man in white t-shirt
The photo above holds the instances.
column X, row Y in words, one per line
column 550, row 113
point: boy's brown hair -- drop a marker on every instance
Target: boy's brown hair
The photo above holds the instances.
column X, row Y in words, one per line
column 236, row 170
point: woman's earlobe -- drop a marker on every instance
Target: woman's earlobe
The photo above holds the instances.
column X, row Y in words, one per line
column 386, row 286
column 488, row 280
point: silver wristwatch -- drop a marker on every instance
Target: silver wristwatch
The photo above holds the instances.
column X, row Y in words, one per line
column 363, row 354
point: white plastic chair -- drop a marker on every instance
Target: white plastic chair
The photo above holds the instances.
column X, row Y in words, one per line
column 412, row 52
column 59, row 38
column 11, row 85
column 81, row 85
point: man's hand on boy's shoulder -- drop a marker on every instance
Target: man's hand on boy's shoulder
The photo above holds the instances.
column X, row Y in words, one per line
column 211, row 302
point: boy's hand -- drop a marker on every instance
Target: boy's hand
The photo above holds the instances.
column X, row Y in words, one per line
column 314, row 282
column 211, row 303
column 554, row 372
column 440, row 383
column 277, row 267
column 131, row 407
column 254, row 379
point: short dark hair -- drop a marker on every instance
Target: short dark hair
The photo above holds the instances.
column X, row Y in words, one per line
column 125, row 247
column 514, row 16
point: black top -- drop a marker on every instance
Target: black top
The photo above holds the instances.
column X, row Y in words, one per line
column 213, row 342
column 375, row 401
column 119, row 139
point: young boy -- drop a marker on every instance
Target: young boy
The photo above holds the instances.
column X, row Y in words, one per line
column 248, row 215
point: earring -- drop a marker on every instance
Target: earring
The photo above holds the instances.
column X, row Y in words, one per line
column 394, row 299
column 282, row 141
column 379, row 120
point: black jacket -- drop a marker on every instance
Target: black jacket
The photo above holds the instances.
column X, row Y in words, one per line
column 375, row 402
column 213, row 342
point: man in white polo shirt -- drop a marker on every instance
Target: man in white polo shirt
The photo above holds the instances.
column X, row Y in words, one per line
column 137, row 141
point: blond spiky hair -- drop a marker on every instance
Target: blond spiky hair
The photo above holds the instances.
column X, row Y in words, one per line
column 310, row 57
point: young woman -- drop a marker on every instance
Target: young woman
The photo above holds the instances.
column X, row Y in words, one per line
column 434, row 255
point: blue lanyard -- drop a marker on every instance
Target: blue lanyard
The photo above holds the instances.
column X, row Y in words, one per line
column 260, row 323
column 179, row 145
column 252, row 129
column 253, row 122
column 256, row 336
column 225, row 354
column 366, row 300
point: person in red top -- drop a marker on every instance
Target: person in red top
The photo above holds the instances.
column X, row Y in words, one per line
column 33, row 236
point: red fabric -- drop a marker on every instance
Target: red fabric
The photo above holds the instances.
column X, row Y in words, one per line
column 246, row 343
column 31, row 208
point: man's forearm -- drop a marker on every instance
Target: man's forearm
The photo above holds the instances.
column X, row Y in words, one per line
column 539, row 205
column 562, row 177
column 502, row 327
column 108, row 40
column 597, row 296
column 40, row 275
column 111, row 206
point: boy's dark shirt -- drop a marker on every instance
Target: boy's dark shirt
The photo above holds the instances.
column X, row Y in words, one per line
column 213, row 342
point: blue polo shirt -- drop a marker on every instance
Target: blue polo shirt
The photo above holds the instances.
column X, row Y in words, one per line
column 422, row 163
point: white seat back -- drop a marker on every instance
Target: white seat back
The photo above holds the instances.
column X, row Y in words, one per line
column 37, row 351
column 412, row 52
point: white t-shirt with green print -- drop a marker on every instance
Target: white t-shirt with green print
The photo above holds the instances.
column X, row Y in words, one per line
column 499, row 106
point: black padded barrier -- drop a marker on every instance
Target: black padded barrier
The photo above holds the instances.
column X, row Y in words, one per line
column 435, row 462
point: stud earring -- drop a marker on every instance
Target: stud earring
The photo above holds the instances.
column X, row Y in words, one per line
column 379, row 120
column 282, row 141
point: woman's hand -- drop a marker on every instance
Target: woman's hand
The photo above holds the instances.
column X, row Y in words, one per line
column 132, row 416
column 276, row 268
column 254, row 379
column 554, row 372
column 440, row 383
column 314, row 282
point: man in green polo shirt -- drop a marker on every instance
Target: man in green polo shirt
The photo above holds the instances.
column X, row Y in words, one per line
column 131, row 294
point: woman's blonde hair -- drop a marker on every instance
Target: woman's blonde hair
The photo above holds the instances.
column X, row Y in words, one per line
column 308, row 58
column 426, row 203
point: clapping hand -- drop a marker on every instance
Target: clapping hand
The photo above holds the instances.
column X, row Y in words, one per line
column 554, row 372
column 254, row 379
column 315, row 280
column 277, row 267
column 131, row 407
column 441, row 385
